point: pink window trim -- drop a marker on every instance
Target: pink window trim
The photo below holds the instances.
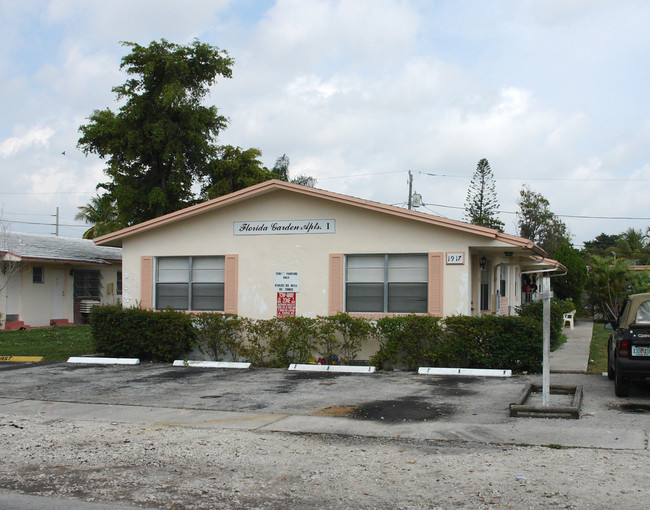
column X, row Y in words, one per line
column 146, row 282
column 231, row 281
column 434, row 293
column 335, row 304
column 435, row 283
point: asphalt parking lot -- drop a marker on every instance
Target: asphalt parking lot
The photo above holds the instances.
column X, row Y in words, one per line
column 382, row 404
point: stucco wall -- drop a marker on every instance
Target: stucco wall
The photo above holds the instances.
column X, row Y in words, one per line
column 35, row 302
column 358, row 231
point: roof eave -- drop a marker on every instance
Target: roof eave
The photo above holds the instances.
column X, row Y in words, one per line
column 116, row 238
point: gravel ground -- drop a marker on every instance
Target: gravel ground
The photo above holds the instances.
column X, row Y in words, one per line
column 177, row 467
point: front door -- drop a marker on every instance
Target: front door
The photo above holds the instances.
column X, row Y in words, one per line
column 58, row 294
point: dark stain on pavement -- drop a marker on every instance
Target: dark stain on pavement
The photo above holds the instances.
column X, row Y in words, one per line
column 404, row 409
column 633, row 408
column 453, row 386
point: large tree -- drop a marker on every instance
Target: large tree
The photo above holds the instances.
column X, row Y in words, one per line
column 572, row 284
column 536, row 221
column 162, row 138
column 233, row 169
column 481, row 204
column 633, row 245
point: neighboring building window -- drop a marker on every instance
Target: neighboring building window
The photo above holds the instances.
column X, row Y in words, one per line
column 38, row 274
column 190, row 283
column 87, row 284
column 119, row 283
column 386, row 283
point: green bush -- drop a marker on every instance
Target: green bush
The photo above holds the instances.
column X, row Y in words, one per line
column 220, row 334
column 408, row 340
column 490, row 341
column 353, row 332
column 535, row 310
column 291, row 339
column 255, row 348
column 136, row 333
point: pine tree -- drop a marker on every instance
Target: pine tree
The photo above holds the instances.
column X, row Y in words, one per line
column 481, row 204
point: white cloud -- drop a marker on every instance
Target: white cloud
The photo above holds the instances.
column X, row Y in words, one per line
column 541, row 89
column 34, row 137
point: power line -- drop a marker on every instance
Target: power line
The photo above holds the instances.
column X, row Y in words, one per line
column 360, row 175
column 581, row 217
column 46, row 192
column 38, row 223
column 577, row 179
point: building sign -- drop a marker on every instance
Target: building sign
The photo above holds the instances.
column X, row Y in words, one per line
column 286, row 281
column 280, row 227
column 286, row 304
column 455, row 258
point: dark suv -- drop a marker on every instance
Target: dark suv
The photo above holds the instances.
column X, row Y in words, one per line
column 628, row 350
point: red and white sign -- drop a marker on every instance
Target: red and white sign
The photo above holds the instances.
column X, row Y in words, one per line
column 286, row 304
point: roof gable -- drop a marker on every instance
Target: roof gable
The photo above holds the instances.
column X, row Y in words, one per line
column 116, row 238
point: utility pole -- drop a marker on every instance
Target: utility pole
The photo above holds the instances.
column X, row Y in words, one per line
column 410, row 190
column 57, row 222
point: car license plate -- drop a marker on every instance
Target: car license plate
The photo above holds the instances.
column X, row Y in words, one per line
column 640, row 351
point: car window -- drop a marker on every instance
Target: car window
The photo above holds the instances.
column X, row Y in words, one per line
column 643, row 313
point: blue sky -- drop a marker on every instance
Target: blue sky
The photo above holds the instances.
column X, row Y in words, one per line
column 356, row 93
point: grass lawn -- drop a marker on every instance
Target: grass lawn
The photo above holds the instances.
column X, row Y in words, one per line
column 598, row 350
column 54, row 344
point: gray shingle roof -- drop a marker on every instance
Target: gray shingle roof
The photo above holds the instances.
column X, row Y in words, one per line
column 39, row 246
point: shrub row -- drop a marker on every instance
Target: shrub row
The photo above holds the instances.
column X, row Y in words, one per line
column 136, row 333
column 280, row 342
column 405, row 341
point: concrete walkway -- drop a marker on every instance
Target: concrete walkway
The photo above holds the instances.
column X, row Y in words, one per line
column 573, row 356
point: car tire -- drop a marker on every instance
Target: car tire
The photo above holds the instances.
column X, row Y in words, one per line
column 621, row 385
column 610, row 362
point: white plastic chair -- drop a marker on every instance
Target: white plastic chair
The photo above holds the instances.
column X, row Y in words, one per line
column 568, row 317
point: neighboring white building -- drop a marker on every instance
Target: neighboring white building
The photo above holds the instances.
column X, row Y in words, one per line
column 278, row 249
column 57, row 279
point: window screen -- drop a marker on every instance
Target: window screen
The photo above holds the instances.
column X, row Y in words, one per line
column 386, row 283
column 87, row 284
column 190, row 283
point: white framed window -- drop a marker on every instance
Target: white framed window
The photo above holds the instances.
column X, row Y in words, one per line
column 190, row 283
column 386, row 283
column 38, row 274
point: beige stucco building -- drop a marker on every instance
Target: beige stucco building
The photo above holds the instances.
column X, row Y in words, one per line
column 47, row 280
column 278, row 249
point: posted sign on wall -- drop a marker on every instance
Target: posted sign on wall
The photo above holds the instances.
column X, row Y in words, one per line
column 286, row 304
column 279, row 227
column 286, row 281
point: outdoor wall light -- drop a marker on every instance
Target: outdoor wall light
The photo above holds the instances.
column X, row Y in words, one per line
column 71, row 272
column 482, row 263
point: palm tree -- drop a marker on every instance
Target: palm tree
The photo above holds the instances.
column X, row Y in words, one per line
column 101, row 213
column 633, row 244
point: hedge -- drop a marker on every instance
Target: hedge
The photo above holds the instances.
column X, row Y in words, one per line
column 408, row 341
column 136, row 333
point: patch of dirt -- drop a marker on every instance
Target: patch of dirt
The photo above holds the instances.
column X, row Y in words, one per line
column 337, row 411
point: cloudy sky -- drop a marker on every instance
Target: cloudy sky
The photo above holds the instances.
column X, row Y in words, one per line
column 554, row 93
